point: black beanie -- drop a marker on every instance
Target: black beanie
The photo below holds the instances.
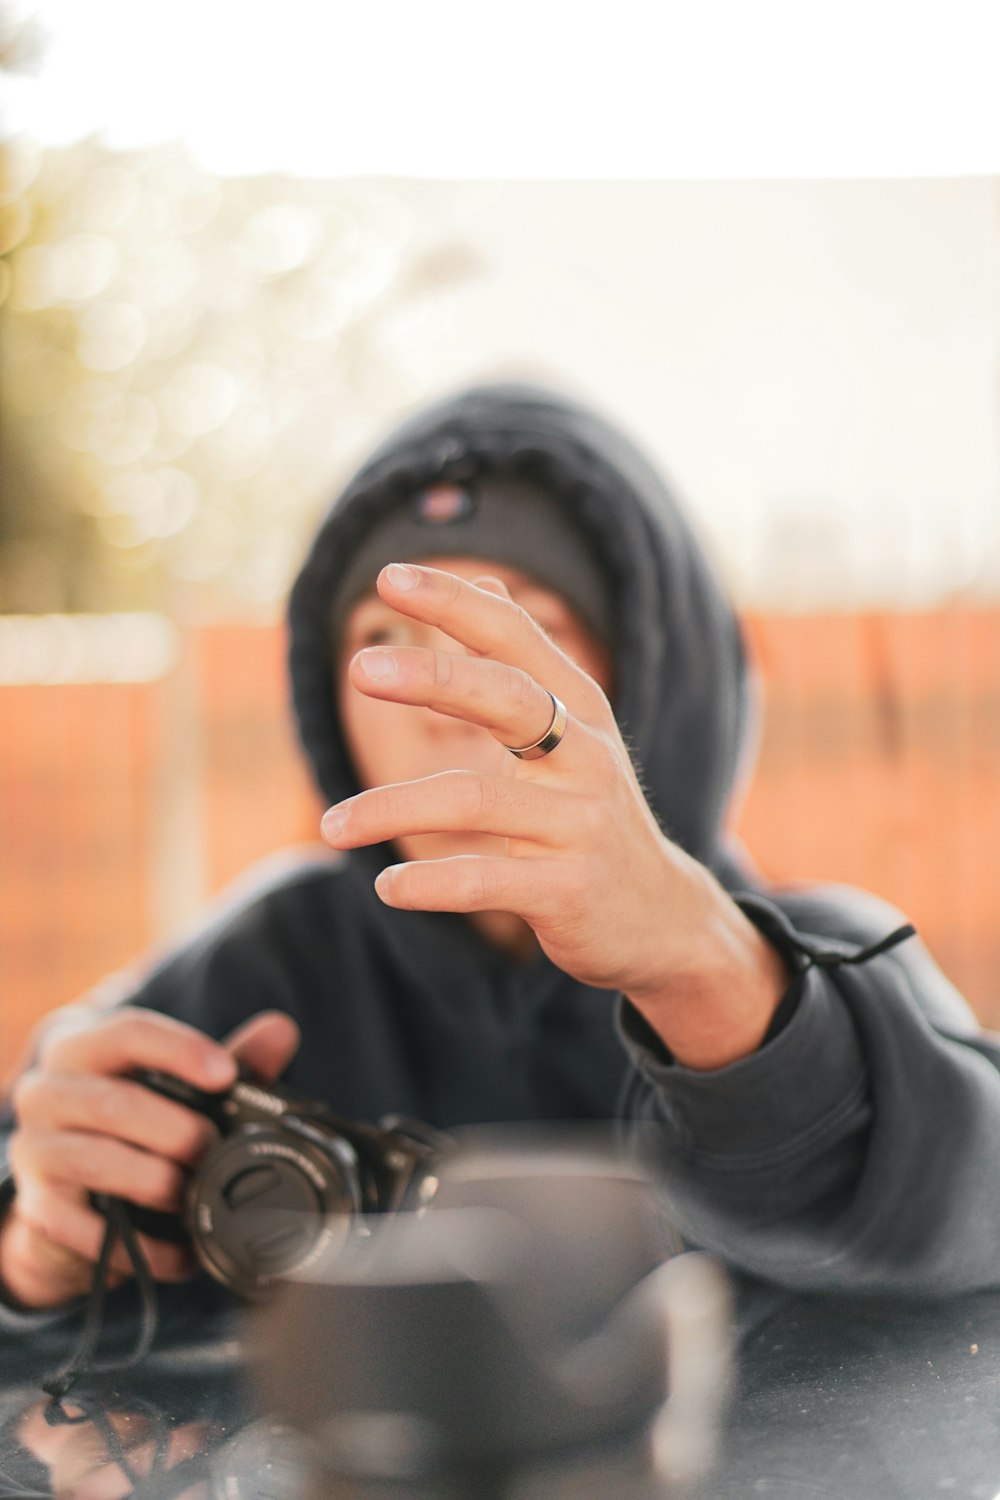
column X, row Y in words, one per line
column 505, row 519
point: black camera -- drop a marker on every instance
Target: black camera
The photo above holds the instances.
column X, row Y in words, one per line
column 289, row 1182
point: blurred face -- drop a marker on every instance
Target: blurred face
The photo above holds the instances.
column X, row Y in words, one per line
column 393, row 742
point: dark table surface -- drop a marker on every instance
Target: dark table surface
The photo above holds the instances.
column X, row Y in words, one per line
column 836, row 1397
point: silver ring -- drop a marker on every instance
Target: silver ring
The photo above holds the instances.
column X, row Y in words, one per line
column 549, row 740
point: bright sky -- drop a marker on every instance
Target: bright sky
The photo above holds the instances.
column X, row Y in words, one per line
column 527, row 89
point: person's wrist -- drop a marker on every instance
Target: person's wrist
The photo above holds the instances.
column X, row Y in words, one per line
column 715, row 1006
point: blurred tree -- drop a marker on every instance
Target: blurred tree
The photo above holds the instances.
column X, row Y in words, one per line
column 187, row 364
column 42, row 544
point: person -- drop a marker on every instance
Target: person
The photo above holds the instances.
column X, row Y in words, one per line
column 565, row 932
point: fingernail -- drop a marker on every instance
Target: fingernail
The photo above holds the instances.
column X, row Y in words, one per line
column 384, row 881
column 378, row 665
column 493, row 585
column 332, row 823
column 401, row 577
column 219, row 1068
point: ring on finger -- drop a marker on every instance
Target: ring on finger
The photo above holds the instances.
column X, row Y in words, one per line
column 549, row 740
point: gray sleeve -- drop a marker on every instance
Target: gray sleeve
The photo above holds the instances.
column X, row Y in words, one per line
column 860, row 1147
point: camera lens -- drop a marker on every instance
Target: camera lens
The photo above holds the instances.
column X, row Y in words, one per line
column 264, row 1204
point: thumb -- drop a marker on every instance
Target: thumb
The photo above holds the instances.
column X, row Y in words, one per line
column 266, row 1043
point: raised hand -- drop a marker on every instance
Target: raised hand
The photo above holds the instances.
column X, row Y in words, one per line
column 580, row 857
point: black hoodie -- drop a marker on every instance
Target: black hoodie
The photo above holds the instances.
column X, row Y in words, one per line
column 860, row 1145
column 414, row 1012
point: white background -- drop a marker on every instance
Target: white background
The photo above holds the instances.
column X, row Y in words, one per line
column 813, row 354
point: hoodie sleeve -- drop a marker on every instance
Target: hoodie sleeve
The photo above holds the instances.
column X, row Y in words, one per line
column 860, row 1146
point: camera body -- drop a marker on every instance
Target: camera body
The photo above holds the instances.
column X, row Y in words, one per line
column 289, row 1181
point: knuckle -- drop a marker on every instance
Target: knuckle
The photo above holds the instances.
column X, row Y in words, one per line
column 482, row 799
column 605, row 755
column 25, row 1093
column 444, row 669
column 525, row 623
column 51, row 1048
column 520, row 691
column 159, row 1184
column 589, row 695
column 122, row 1024
column 123, row 1018
column 43, row 1051
column 486, row 886
column 59, row 1042
column 105, row 1107
column 451, row 587
column 58, row 1215
column 33, row 1211
column 190, row 1053
column 143, row 1037
column 19, row 1157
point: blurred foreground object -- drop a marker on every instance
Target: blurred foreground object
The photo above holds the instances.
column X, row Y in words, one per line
column 525, row 1338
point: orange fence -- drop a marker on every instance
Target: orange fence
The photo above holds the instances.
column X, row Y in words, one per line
column 880, row 766
column 121, row 806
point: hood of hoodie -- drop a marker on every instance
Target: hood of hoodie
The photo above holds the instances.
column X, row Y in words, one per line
column 681, row 696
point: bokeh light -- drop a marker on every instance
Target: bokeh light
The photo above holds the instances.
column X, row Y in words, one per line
column 85, row 648
column 186, row 357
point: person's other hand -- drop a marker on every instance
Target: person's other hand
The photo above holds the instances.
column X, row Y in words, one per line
column 610, row 898
column 83, row 1127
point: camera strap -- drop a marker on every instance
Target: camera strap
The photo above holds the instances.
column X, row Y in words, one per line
column 81, row 1361
column 95, row 1412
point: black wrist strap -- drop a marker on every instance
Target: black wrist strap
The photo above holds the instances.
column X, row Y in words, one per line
column 81, row 1361
column 806, row 953
column 812, row 952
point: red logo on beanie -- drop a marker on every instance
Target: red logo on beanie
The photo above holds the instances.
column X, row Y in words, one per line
column 443, row 503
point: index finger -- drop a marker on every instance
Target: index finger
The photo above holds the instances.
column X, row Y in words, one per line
column 134, row 1038
column 491, row 625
